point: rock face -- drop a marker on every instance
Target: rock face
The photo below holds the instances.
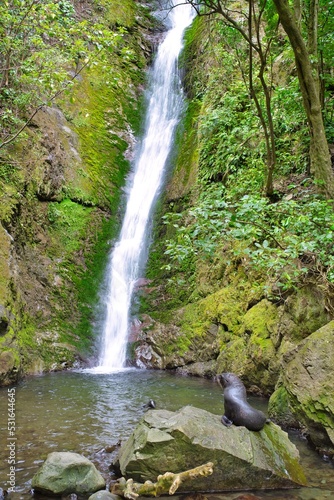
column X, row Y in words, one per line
column 60, row 187
column 231, row 330
column 65, row 473
column 177, row 441
column 165, row 346
column 306, row 389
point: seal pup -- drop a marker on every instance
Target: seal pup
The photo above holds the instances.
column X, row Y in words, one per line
column 237, row 410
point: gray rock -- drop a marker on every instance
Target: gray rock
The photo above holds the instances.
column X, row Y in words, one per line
column 306, row 389
column 104, row 495
column 205, row 369
column 178, row 441
column 65, row 472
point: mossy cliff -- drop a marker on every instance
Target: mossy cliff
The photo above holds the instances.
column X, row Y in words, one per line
column 210, row 304
column 61, row 185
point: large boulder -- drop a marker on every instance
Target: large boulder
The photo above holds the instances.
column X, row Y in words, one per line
column 178, row 441
column 305, row 395
column 170, row 346
column 64, row 473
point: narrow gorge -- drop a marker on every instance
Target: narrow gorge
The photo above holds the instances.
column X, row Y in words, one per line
column 239, row 274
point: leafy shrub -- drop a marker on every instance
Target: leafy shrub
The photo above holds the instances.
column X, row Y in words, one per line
column 289, row 241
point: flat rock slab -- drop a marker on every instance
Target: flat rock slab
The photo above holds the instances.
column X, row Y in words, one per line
column 166, row 441
column 65, row 473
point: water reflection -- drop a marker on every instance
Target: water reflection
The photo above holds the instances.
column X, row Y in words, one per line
column 84, row 413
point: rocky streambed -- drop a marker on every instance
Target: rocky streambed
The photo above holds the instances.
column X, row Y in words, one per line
column 89, row 413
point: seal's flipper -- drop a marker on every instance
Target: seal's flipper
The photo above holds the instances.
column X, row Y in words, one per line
column 226, row 421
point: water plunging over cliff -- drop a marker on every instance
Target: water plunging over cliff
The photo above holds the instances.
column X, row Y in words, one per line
column 163, row 111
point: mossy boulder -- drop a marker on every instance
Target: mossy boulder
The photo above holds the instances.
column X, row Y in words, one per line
column 306, row 388
column 206, row 369
column 10, row 366
column 5, row 243
column 303, row 313
column 170, row 345
column 252, row 353
column 193, row 333
column 65, row 473
column 104, row 495
column 177, row 441
column 280, row 409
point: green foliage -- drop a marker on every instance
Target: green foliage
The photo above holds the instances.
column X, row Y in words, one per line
column 230, row 136
column 291, row 240
column 230, row 223
column 223, row 131
column 39, row 42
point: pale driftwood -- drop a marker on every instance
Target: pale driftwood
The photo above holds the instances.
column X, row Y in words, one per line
column 166, row 483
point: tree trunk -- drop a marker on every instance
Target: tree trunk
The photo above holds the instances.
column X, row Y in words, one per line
column 312, row 40
column 321, row 166
column 298, row 11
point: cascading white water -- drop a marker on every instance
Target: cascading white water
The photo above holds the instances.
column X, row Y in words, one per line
column 163, row 112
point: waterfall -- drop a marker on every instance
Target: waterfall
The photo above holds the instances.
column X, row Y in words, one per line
column 163, row 111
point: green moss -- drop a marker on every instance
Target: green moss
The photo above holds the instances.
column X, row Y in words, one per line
column 11, row 183
column 233, row 356
column 4, row 267
column 288, row 458
column 279, row 408
column 307, row 310
column 88, row 284
column 261, row 320
column 69, row 221
column 104, row 167
column 26, row 337
column 225, row 307
column 186, row 161
column 182, row 344
column 118, row 12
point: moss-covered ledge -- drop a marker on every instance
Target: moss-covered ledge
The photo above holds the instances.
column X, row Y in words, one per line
column 306, row 390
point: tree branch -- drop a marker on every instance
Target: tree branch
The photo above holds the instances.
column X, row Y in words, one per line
column 166, row 483
column 51, row 99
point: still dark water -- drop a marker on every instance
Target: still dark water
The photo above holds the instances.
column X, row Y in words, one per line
column 86, row 412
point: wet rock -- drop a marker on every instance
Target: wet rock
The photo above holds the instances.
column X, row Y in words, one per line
column 195, row 496
column 247, row 496
column 66, row 473
column 166, row 346
column 111, row 448
column 10, row 366
column 178, row 441
column 60, row 145
column 306, row 390
column 206, row 369
column 104, row 495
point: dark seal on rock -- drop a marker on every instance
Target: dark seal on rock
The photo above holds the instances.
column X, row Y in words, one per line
column 237, row 410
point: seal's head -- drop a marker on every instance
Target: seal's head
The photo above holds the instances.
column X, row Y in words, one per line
column 227, row 379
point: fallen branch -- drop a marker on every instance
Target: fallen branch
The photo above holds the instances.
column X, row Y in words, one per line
column 166, row 483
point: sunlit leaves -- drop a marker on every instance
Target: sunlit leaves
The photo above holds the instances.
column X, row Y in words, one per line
column 42, row 45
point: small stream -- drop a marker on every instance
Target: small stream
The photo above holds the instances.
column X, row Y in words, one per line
column 86, row 412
